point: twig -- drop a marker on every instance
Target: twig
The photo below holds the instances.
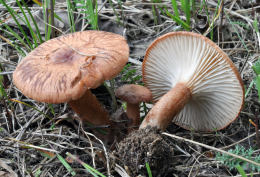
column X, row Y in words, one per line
column 248, row 20
column 32, row 146
column 91, row 147
column 10, row 123
column 121, row 171
column 134, row 61
column 4, row 165
column 105, row 150
column 238, row 141
column 6, row 73
column 211, row 148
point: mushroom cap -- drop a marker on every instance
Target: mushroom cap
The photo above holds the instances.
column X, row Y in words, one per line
column 217, row 92
column 61, row 69
column 134, row 94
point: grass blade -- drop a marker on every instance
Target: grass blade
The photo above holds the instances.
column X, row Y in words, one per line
column 115, row 12
column 46, row 19
column 21, row 102
column 14, row 34
column 90, row 169
column 148, row 169
column 175, row 8
column 34, row 22
column 70, row 8
column 66, row 165
column 92, row 15
column 14, row 14
column 90, row 11
column 186, row 9
column 37, row 2
column 238, row 35
column 178, row 20
column 257, row 82
column 241, row 171
column 28, row 23
column 12, row 43
column 255, row 25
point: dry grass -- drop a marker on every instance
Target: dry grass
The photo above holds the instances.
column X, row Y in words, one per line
column 32, row 136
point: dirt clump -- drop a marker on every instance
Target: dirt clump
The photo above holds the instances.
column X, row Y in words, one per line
column 145, row 145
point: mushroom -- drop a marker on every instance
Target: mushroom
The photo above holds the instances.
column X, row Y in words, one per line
column 133, row 95
column 193, row 83
column 64, row 69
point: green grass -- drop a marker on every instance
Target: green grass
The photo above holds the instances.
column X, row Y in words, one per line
column 90, row 169
column 66, row 165
column 27, row 41
column 15, row 17
column 241, row 171
column 30, row 106
column 115, row 12
column 256, row 80
column 149, row 172
column 3, row 94
column 130, row 75
column 89, row 11
column 186, row 8
column 70, row 7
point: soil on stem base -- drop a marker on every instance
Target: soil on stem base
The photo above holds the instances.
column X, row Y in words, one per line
column 145, row 145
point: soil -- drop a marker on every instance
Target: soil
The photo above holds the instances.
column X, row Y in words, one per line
column 146, row 146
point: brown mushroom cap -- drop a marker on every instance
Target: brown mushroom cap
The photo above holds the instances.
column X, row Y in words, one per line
column 61, row 69
column 134, row 94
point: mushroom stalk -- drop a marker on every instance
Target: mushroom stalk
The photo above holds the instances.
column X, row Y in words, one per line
column 89, row 109
column 167, row 107
column 133, row 114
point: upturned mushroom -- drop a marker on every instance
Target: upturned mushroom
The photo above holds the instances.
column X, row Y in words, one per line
column 133, row 95
column 65, row 68
column 193, row 83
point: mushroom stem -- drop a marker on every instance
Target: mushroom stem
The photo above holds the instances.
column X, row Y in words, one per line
column 167, row 107
column 133, row 114
column 90, row 110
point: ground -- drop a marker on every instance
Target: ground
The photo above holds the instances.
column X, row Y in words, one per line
column 36, row 138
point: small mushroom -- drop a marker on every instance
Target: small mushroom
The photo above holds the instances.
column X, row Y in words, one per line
column 193, row 83
column 65, row 68
column 133, row 95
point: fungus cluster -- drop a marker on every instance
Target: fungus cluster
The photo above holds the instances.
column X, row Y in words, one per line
column 191, row 81
column 194, row 84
